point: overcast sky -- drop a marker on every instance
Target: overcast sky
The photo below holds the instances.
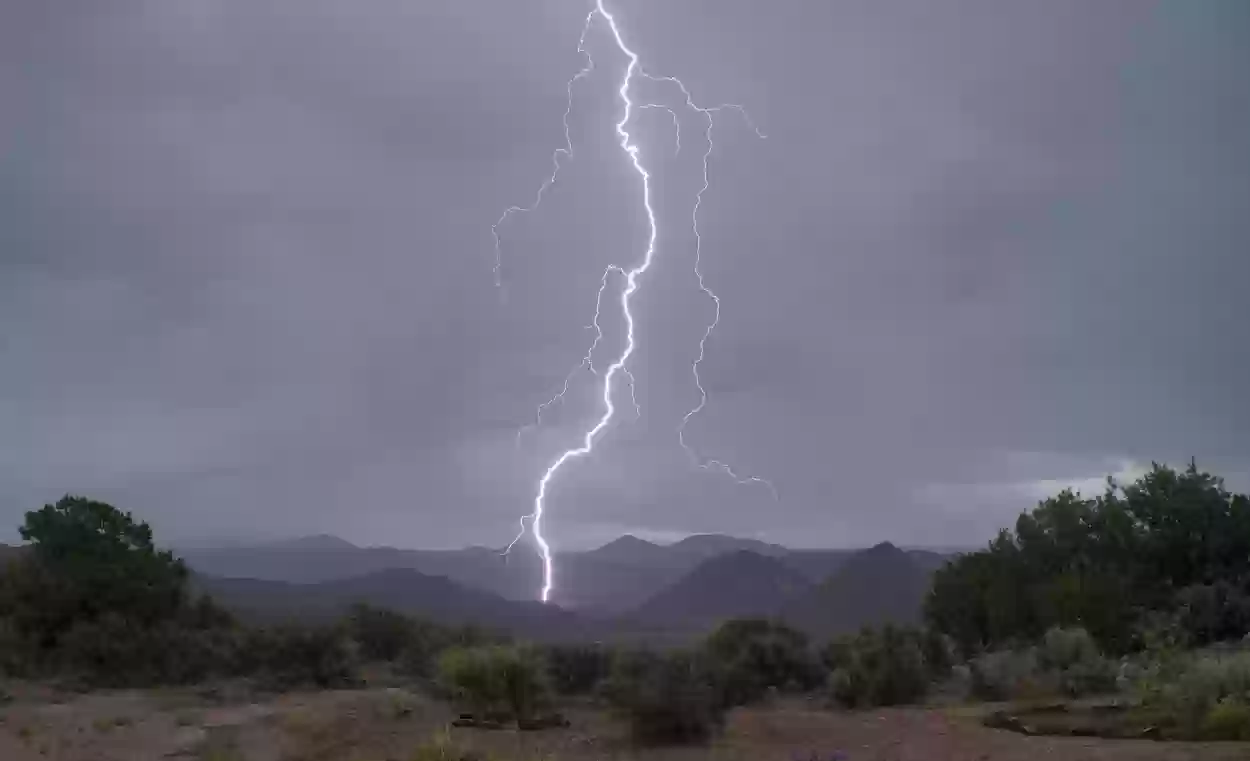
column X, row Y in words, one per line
column 988, row 248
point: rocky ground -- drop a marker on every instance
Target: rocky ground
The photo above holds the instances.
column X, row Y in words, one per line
column 230, row 723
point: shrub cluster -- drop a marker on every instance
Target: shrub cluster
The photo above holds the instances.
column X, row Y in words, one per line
column 672, row 697
column 93, row 598
column 755, row 655
column 1067, row 662
column 412, row 644
column 577, row 669
column 878, row 668
column 1203, row 696
column 500, row 682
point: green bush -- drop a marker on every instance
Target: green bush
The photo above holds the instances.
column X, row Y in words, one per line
column 427, row 641
column 1199, row 693
column 290, row 655
column 938, row 650
column 1071, row 659
column 381, row 634
column 496, row 680
column 112, row 651
column 673, row 697
column 16, row 651
column 577, row 669
column 1067, row 662
column 1228, row 719
column 1004, row 675
column 754, row 655
column 877, row 669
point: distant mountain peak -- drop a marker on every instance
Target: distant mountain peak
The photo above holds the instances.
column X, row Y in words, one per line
column 627, row 540
column 315, row 542
column 884, row 547
column 729, row 585
column 707, row 545
column 882, row 584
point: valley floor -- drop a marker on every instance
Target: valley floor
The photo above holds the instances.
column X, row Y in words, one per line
column 37, row 723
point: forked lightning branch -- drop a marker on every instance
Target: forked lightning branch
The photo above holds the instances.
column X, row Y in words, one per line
column 627, row 278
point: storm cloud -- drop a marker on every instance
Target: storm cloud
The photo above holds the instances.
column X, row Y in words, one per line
column 987, row 249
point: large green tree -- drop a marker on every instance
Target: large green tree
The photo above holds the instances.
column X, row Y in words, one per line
column 1104, row 563
column 88, row 558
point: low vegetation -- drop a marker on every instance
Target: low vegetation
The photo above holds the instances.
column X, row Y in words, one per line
column 1199, row 695
column 93, row 599
column 672, row 697
column 754, row 656
column 1065, row 663
column 501, row 683
column 1142, row 593
column 577, row 669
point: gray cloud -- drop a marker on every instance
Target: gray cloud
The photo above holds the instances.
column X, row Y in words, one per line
column 246, row 288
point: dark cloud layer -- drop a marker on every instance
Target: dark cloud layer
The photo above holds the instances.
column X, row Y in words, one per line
column 988, row 248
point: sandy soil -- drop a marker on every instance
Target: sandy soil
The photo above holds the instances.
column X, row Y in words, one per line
column 224, row 724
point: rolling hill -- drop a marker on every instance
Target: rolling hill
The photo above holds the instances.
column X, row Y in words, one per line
column 629, row 550
column 700, row 547
column 400, row 589
column 738, row 584
column 883, row 584
column 610, row 581
column 313, row 560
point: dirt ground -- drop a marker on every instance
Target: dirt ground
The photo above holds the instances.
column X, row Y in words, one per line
column 225, row 724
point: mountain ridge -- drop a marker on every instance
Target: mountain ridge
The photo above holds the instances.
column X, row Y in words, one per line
column 612, row 580
column 882, row 584
column 733, row 585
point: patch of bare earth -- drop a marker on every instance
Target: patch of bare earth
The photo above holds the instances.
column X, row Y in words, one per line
column 377, row 725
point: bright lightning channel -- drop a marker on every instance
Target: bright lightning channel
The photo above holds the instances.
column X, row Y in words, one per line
column 630, row 277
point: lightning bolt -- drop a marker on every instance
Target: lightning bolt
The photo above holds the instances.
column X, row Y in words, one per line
column 630, row 278
column 565, row 151
column 709, row 464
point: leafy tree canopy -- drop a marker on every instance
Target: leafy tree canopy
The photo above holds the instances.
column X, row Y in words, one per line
column 1105, row 563
column 88, row 558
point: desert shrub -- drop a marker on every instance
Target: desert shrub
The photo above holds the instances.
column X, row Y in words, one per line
column 1066, row 662
column 938, row 650
column 496, row 680
column 1228, row 719
column 382, row 634
column 1004, row 674
column 877, row 668
column 427, row 640
column 291, row 655
column 754, row 655
column 16, row 651
column 1071, row 659
column 112, row 651
column 1203, row 693
column 577, row 669
column 672, row 697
